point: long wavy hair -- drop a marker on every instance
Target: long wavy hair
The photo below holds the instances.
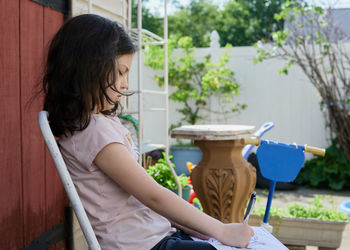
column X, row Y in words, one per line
column 81, row 65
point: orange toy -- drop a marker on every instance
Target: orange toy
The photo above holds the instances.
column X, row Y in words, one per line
column 193, row 195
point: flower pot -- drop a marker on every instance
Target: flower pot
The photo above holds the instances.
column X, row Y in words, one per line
column 181, row 155
column 185, row 192
column 304, row 231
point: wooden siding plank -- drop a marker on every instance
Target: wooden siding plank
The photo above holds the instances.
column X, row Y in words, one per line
column 31, row 47
column 55, row 194
column 11, row 230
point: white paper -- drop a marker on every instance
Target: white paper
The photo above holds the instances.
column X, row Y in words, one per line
column 262, row 240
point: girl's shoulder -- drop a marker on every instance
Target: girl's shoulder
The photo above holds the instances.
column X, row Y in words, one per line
column 99, row 120
column 86, row 144
column 104, row 125
column 98, row 124
column 104, row 118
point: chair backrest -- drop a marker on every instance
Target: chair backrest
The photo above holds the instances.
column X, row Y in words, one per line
column 67, row 181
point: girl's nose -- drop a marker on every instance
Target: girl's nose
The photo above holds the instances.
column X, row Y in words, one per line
column 124, row 83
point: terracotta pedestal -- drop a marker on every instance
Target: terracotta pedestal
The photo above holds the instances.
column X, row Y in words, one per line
column 223, row 180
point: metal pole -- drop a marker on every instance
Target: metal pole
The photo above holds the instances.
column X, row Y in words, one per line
column 129, row 14
column 269, row 201
column 166, row 76
column 90, row 6
column 139, row 75
column 179, row 188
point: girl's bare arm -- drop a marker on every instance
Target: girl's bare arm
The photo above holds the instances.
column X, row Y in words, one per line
column 116, row 161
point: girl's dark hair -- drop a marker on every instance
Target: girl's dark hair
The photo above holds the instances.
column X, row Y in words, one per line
column 81, row 65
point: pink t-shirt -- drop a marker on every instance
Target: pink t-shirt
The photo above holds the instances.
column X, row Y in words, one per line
column 119, row 220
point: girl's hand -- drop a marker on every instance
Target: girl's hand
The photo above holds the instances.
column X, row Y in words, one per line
column 236, row 235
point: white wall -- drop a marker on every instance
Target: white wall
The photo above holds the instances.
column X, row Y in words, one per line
column 117, row 10
column 291, row 102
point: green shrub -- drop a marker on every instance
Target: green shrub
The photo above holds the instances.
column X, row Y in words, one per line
column 161, row 173
column 331, row 171
column 315, row 211
column 195, row 82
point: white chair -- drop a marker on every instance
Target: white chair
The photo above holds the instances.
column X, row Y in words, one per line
column 67, row 181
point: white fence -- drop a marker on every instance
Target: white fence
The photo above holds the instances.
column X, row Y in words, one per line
column 291, row 102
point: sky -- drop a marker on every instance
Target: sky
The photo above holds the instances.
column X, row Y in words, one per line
column 156, row 6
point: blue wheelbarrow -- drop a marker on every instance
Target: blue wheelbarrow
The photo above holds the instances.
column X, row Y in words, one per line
column 279, row 162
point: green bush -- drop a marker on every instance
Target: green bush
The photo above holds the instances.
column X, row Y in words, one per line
column 161, row 173
column 331, row 171
column 315, row 211
column 195, row 82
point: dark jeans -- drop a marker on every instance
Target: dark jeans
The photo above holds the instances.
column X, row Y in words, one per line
column 181, row 241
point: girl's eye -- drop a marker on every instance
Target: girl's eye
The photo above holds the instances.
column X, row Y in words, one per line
column 120, row 73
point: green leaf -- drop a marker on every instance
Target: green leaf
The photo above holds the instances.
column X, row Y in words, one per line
column 161, row 173
column 332, row 171
column 277, row 16
column 318, row 10
column 284, row 71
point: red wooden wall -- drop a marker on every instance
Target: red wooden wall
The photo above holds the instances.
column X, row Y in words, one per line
column 32, row 199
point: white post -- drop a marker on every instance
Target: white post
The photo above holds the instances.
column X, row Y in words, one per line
column 129, row 14
column 139, row 76
column 166, row 77
column 215, row 54
column 90, row 6
column 215, row 46
column 167, row 98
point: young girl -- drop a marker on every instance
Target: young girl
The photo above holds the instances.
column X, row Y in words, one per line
column 87, row 65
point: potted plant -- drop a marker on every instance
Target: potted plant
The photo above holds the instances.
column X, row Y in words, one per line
column 193, row 83
column 161, row 173
column 302, row 225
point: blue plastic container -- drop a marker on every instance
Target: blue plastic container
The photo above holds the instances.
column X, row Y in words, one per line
column 345, row 207
column 181, row 155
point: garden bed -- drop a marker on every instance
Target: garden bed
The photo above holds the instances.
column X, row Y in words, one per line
column 304, row 231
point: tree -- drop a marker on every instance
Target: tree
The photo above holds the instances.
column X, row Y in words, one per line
column 244, row 22
column 150, row 22
column 314, row 43
column 194, row 82
column 197, row 20
column 239, row 22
